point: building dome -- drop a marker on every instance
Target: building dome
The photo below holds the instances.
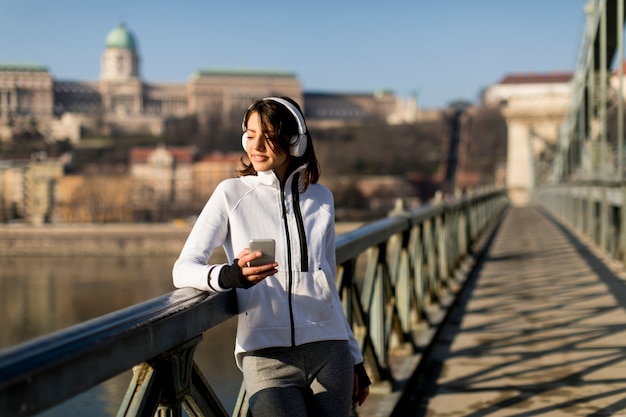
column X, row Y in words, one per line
column 120, row 37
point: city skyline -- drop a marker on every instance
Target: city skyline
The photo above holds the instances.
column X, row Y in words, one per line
column 439, row 51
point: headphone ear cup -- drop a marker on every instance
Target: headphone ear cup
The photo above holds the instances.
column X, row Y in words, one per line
column 244, row 141
column 298, row 144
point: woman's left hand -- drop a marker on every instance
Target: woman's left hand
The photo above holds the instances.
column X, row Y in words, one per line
column 359, row 395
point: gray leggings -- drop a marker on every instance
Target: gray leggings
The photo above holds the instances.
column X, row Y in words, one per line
column 315, row 379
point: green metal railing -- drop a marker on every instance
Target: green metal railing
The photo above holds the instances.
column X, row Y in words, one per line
column 390, row 273
column 594, row 209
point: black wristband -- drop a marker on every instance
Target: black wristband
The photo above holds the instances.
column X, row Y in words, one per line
column 363, row 379
column 231, row 277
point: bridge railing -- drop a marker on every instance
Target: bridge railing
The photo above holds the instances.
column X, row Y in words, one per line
column 389, row 273
column 594, row 209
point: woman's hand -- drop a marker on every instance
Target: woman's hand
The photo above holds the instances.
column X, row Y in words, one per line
column 360, row 393
column 361, row 384
column 255, row 274
column 240, row 275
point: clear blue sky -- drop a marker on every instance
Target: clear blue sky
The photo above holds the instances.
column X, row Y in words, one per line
column 442, row 50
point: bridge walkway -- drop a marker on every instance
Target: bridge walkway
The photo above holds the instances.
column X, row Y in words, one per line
column 539, row 329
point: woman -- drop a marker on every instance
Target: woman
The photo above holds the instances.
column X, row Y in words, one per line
column 294, row 345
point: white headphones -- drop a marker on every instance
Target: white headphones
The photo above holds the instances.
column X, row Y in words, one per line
column 297, row 143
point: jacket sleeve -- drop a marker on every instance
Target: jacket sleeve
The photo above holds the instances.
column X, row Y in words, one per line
column 192, row 267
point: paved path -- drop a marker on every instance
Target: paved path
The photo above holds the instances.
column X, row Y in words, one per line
column 539, row 331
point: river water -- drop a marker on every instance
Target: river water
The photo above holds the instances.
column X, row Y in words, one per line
column 42, row 295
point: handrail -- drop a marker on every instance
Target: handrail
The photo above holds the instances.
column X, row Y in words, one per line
column 46, row 371
column 388, row 272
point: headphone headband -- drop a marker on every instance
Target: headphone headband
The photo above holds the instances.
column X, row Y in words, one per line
column 298, row 143
column 293, row 109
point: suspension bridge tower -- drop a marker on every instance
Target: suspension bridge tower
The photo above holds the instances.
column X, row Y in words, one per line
column 534, row 106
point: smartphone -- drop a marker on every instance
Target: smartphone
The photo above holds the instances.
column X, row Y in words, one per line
column 266, row 247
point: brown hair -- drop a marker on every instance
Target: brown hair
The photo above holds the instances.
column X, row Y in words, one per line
column 279, row 124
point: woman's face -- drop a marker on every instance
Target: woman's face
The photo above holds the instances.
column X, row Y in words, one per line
column 261, row 155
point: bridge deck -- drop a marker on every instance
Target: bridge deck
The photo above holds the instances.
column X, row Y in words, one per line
column 540, row 329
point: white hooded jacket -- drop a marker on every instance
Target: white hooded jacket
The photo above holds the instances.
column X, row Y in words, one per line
column 299, row 304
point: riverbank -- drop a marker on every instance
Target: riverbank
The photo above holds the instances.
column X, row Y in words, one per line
column 135, row 239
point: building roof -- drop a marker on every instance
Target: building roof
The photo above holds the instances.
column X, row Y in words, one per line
column 242, row 73
column 121, row 38
column 22, row 67
column 537, row 78
column 76, row 87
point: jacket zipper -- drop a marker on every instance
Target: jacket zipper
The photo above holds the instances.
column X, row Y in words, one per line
column 304, row 257
column 304, row 252
column 289, row 272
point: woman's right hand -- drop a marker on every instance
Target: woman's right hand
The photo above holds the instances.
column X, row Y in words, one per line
column 255, row 274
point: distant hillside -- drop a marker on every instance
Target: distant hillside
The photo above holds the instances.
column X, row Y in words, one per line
column 380, row 149
column 419, row 152
column 486, row 147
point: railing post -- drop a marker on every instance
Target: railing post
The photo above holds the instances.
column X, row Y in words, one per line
column 416, row 251
column 589, row 217
column 165, row 381
column 431, row 264
column 604, row 218
column 462, row 232
column 161, row 386
column 377, row 303
column 580, row 205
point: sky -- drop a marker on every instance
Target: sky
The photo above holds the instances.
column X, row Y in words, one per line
column 439, row 51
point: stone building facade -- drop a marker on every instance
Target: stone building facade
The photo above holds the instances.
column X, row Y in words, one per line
column 121, row 102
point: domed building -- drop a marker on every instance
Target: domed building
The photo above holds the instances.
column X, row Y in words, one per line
column 120, row 61
column 121, row 102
